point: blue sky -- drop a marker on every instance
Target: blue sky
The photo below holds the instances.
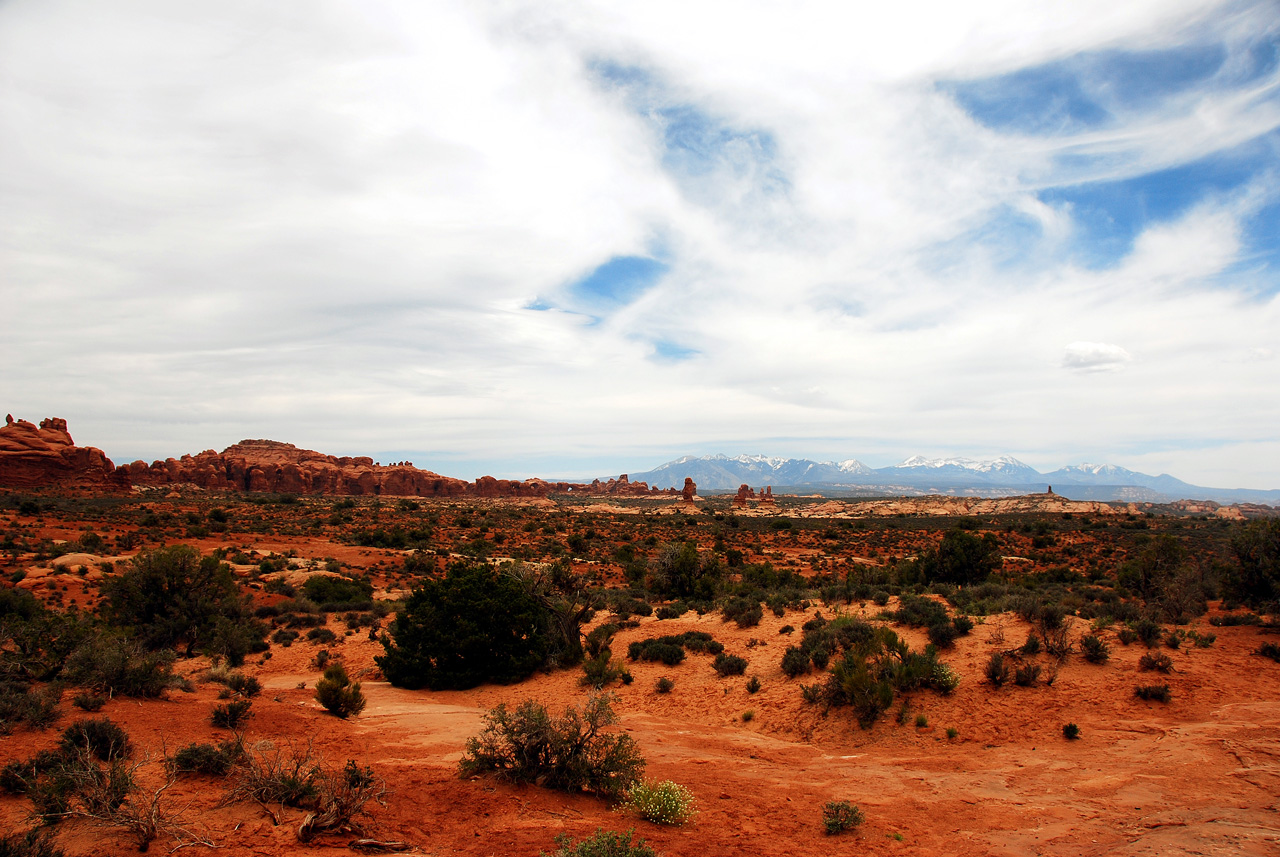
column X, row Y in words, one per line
column 579, row 238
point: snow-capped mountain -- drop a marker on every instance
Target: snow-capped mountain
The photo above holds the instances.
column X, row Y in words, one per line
column 1004, row 469
column 1004, row 475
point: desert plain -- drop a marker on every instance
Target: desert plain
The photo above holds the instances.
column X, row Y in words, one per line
column 982, row 770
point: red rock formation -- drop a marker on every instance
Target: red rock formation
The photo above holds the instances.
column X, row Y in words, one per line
column 766, row 498
column 47, row 457
column 690, row 490
column 744, row 494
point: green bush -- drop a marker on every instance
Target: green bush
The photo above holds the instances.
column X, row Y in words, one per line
column 943, row 635
column 839, row 816
column 1158, row 661
column 605, row 843
column 1070, row 731
column 214, row 760
column 100, row 737
column 753, row 684
column 572, row 753
column 338, row 694
column 660, row 802
column 1096, row 651
column 90, row 702
column 114, row 665
column 1026, row 674
column 998, row 670
column 1256, row 578
column 473, row 626
column 34, row 843
column 727, row 665
column 337, row 593
column 232, row 715
column 1158, row 692
column 174, row 597
column 1270, row 650
column 664, row 685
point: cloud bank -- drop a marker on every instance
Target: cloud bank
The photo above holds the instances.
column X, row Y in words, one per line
column 575, row 238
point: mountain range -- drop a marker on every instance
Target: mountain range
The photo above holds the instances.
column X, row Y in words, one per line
column 1003, row 476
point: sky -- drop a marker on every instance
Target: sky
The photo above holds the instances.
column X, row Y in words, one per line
column 575, row 239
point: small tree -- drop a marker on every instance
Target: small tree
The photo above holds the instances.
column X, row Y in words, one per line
column 337, row 693
column 1256, row 579
column 472, row 626
column 174, row 597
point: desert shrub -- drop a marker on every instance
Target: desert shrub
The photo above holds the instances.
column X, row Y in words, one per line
column 1270, row 650
column 341, row 801
column 1127, row 636
column 1032, row 646
column 664, row 685
column 100, row 737
column 338, row 694
column 962, row 624
column 943, row 635
column 214, row 760
column 1096, row 651
column 1255, row 580
column 21, row 703
column 33, row 843
column 921, row 721
column 174, row 597
column 670, row 649
column 1148, row 631
column 231, row 715
column 660, row 802
column 284, row 637
column 474, row 625
column 952, row 733
column 795, row 661
column 678, row 570
column 960, row 558
column 753, row 684
column 338, row 593
column 268, row 774
column 1070, row 731
column 870, row 671
column 322, row 636
column 727, row 665
column 1229, row 620
column 572, row 753
column 236, row 682
column 604, row 843
column 997, row 670
column 90, row 702
column 114, row 665
column 1158, row 661
column 1157, row 692
column 839, row 816
column 746, row 612
column 674, row 610
column 919, row 612
column 1026, row 674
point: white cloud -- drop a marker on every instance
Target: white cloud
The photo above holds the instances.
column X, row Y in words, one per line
column 1094, row 357
column 322, row 225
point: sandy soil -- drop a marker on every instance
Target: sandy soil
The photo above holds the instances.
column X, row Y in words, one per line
column 1199, row 775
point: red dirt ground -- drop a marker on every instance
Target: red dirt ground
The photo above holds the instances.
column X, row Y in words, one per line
column 1199, row 775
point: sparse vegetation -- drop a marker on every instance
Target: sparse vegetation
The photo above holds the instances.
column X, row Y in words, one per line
column 839, row 816
column 338, row 694
column 575, row 752
column 1157, row 692
column 604, row 843
column 660, row 802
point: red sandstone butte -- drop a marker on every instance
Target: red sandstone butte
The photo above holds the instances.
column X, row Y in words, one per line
column 47, row 457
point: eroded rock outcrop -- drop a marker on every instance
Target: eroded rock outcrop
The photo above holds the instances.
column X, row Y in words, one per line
column 45, row 456
column 690, row 490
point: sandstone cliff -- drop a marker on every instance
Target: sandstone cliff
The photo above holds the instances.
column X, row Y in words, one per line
column 47, row 457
